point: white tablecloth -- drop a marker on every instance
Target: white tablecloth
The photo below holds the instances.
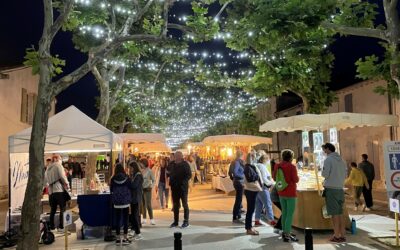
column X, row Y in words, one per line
column 224, row 184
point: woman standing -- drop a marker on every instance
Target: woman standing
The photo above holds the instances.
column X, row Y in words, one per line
column 252, row 186
column 137, row 193
column 192, row 164
column 263, row 197
column 287, row 195
column 121, row 196
column 148, row 182
column 162, row 181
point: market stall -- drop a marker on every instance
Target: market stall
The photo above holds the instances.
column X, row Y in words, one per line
column 309, row 211
column 64, row 136
column 221, row 150
column 144, row 143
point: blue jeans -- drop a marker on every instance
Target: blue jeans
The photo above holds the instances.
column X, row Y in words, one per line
column 264, row 200
column 238, row 199
column 162, row 190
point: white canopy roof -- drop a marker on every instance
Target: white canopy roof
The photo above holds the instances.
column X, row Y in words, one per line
column 236, row 140
column 146, row 142
column 339, row 121
column 69, row 131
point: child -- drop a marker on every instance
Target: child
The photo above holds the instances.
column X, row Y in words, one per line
column 357, row 179
column 121, row 196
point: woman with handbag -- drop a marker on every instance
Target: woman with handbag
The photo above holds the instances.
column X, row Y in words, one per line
column 285, row 175
column 57, row 186
column 252, row 185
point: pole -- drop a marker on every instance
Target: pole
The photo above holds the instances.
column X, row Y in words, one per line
column 308, row 238
column 177, row 241
column 66, row 236
column 396, row 217
column 9, row 192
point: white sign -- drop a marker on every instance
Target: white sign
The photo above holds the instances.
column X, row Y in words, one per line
column 67, row 218
column 304, row 136
column 394, row 205
column 318, row 140
column 391, row 153
column 333, row 136
column 19, row 172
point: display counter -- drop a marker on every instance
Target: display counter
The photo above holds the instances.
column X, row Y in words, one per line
column 222, row 183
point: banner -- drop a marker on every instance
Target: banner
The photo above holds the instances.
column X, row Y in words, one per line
column 304, row 136
column 391, row 153
column 333, row 136
column 19, row 171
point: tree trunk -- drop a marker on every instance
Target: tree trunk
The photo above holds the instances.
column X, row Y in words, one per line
column 90, row 168
column 104, row 109
column 30, row 209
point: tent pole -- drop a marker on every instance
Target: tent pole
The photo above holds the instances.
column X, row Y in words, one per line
column 9, row 193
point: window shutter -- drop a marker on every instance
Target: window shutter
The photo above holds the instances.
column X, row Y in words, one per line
column 348, row 103
column 24, row 105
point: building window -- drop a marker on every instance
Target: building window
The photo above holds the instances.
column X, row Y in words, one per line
column 28, row 103
column 348, row 103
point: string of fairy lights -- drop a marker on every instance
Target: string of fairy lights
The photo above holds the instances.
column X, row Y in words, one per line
column 188, row 105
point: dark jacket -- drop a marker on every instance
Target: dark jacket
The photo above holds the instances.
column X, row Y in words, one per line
column 180, row 175
column 137, row 188
column 120, row 187
column 368, row 169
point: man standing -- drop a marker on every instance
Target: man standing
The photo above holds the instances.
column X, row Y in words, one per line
column 236, row 173
column 334, row 172
column 179, row 181
column 369, row 171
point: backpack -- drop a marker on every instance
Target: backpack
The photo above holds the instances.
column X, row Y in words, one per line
column 281, row 183
column 231, row 168
column 121, row 194
column 250, row 173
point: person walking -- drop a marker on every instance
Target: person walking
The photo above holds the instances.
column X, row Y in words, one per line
column 334, row 171
column 121, row 197
column 275, row 199
column 162, row 183
column 200, row 169
column 252, row 186
column 288, row 194
column 137, row 193
column 57, row 183
column 148, row 182
column 263, row 199
column 369, row 170
column 179, row 180
column 236, row 173
column 358, row 180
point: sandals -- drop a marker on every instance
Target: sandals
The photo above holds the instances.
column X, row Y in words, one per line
column 252, row 232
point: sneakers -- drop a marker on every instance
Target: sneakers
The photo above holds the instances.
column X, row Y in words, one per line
column 152, row 222
column 126, row 242
column 185, row 225
column 237, row 221
column 333, row 239
column 257, row 223
column 131, row 234
column 272, row 223
column 175, row 224
column 138, row 237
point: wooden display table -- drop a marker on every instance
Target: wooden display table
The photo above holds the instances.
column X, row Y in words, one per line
column 308, row 212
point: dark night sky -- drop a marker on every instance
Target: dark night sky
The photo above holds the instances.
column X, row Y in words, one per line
column 21, row 26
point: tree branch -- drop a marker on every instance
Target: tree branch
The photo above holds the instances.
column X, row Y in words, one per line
column 222, row 9
column 157, row 77
column 182, row 28
column 118, row 87
column 61, row 18
column 165, row 14
column 353, row 31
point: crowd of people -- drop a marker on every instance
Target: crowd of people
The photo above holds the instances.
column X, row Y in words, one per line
column 262, row 181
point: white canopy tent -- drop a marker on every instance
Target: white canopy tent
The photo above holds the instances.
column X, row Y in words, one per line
column 322, row 122
column 145, row 142
column 236, row 140
column 68, row 131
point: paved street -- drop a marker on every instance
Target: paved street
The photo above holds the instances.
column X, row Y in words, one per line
column 211, row 227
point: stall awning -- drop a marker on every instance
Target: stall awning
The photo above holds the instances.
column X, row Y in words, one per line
column 322, row 122
column 142, row 137
column 236, row 140
column 69, row 130
column 151, row 147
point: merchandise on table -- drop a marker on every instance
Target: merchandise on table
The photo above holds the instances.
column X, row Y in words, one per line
column 308, row 180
